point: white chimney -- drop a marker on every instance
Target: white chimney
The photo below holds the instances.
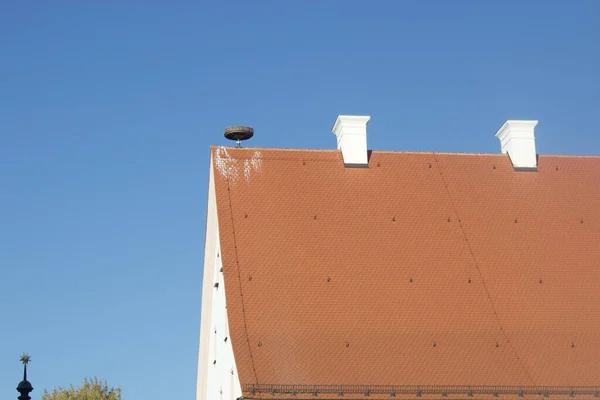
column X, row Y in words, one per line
column 351, row 132
column 516, row 139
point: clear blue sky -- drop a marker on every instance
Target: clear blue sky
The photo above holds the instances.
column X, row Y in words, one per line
column 108, row 108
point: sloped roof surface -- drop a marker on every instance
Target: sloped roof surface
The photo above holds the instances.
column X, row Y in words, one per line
column 425, row 269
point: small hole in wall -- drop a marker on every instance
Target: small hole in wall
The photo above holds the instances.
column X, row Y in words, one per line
column 249, row 278
column 347, row 344
column 572, row 345
column 494, row 167
column 469, row 280
column 315, row 217
column 434, row 344
column 541, row 281
column 245, row 215
column 259, row 344
column 393, row 219
column 410, row 280
column 557, row 167
column 328, row 279
column 429, row 165
column 378, row 164
column 497, row 344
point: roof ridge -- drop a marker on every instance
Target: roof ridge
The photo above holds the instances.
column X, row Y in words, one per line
column 290, row 149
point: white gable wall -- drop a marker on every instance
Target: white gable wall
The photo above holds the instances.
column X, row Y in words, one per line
column 217, row 374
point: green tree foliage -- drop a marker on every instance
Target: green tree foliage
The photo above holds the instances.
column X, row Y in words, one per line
column 91, row 389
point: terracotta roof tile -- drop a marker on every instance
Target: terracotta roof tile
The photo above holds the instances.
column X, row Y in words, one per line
column 423, row 269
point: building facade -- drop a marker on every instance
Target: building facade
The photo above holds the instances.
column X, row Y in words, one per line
column 350, row 273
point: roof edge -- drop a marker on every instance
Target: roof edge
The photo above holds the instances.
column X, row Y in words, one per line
column 540, row 390
column 401, row 152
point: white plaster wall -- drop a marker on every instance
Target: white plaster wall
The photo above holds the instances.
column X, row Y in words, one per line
column 217, row 373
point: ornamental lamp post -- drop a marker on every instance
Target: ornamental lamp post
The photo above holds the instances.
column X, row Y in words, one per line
column 24, row 387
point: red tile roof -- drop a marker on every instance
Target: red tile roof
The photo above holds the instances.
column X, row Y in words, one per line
column 429, row 269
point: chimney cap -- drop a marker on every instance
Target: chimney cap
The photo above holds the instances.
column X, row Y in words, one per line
column 524, row 126
column 349, row 120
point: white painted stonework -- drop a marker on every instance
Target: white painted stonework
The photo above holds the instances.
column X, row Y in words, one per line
column 351, row 133
column 517, row 139
column 217, row 373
